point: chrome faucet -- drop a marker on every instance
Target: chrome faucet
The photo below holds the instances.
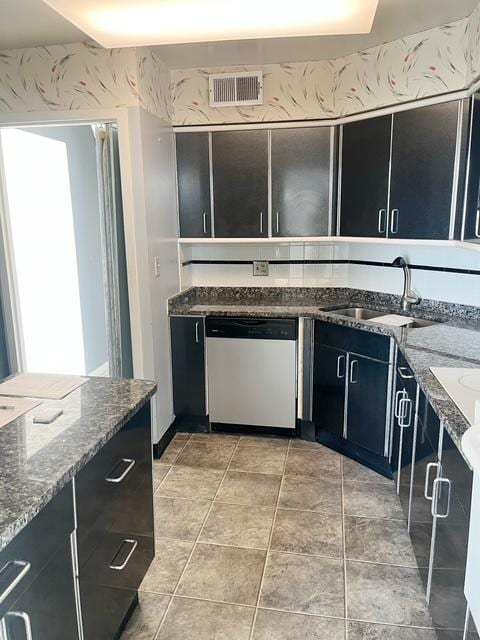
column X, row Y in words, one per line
column 409, row 296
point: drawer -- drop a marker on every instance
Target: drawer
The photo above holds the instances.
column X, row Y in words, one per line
column 30, row 551
column 364, row 343
column 106, row 488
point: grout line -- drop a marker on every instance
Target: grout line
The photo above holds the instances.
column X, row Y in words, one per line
column 197, row 539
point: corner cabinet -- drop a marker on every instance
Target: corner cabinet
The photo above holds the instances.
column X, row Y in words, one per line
column 302, row 181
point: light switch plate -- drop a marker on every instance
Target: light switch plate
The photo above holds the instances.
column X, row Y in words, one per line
column 260, row 268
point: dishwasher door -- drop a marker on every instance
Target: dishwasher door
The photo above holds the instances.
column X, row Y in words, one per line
column 252, row 382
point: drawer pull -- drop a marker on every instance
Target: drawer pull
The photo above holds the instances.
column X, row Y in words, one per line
column 120, row 567
column 405, row 373
column 437, row 483
column 122, row 477
column 430, row 466
column 405, row 409
column 24, row 568
column 26, row 622
column 399, row 396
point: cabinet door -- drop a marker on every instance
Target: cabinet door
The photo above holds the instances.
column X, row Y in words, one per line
column 188, row 365
column 329, row 371
column 240, row 183
column 423, row 159
column 472, row 196
column 193, row 177
column 364, row 169
column 367, row 403
column 451, row 508
column 301, row 181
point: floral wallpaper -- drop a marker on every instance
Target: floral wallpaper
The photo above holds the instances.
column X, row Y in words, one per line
column 432, row 62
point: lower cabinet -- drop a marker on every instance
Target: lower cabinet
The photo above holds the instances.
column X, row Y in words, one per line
column 37, row 583
column 350, row 393
column 114, row 499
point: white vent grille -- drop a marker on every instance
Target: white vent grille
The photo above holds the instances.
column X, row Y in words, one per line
column 227, row 90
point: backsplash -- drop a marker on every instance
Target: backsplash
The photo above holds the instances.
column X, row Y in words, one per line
column 293, row 265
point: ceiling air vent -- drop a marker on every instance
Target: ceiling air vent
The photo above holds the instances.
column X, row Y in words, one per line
column 236, row 89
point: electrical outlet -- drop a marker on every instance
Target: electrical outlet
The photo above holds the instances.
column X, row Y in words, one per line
column 156, row 266
column 260, row 268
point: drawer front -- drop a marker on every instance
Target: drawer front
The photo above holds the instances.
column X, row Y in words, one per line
column 31, row 550
column 365, row 343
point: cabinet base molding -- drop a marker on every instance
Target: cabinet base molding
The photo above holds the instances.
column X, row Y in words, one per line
column 127, row 617
column 160, row 446
column 253, row 429
column 367, row 458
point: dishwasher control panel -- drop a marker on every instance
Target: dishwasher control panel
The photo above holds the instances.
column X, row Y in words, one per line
column 252, row 328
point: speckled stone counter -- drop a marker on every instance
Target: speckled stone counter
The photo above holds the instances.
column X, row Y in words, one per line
column 38, row 460
column 455, row 342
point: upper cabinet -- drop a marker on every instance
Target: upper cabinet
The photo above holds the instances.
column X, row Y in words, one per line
column 240, row 183
column 301, row 181
column 471, row 219
column 193, row 176
column 363, row 176
column 398, row 172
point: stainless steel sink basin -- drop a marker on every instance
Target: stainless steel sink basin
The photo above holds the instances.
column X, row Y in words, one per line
column 359, row 313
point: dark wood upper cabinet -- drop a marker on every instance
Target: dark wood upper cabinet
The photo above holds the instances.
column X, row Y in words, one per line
column 301, row 181
column 240, row 183
column 471, row 230
column 363, row 173
column 193, row 176
column 423, row 167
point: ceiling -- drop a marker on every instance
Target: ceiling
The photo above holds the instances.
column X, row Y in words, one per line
column 28, row 23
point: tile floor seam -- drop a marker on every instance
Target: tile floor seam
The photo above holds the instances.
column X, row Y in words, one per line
column 263, row 473
column 269, row 542
column 197, row 539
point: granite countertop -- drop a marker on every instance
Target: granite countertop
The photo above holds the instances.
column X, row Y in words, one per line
column 455, row 342
column 37, row 460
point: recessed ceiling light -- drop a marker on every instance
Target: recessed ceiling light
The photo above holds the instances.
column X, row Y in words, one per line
column 128, row 23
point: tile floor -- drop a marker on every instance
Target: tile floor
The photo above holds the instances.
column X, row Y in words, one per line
column 271, row 539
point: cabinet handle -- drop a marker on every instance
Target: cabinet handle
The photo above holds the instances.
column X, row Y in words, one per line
column 261, row 222
column 394, row 221
column 24, row 569
column 437, row 483
column 120, row 567
column 400, row 394
column 382, row 221
column 405, row 373
column 339, row 361
column 205, row 223
column 406, row 409
column 116, row 480
column 277, row 224
column 430, row 466
column 353, row 380
column 26, row 622
column 477, row 224
column 197, row 336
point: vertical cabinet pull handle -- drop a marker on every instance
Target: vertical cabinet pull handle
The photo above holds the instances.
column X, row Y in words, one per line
column 394, row 221
column 353, row 378
column 437, row 485
column 477, row 224
column 121, row 566
column 398, row 396
column 277, row 224
column 23, row 567
column 382, row 220
column 261, row 222
column 405, row 409
column 197, row 335
column 26, row 622
column 430, row 466
column 339, row 363
column 205, row 223
column 117, row 479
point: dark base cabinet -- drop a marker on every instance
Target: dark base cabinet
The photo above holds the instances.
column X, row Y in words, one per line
column 114, row 498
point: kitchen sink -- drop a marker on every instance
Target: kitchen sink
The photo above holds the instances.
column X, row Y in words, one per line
column 359, row 313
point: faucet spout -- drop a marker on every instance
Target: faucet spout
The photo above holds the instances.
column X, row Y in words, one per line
column 409, row 297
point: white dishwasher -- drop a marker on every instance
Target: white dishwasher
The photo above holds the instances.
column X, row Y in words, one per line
column 252, row 372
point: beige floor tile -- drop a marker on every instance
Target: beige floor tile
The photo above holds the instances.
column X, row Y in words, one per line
column 172, row 452
column 238, row 525
column 206, row 455
column 382, row 541
column 159, row 472
column 225, row 574
column 359, row 473
column 200, row 620
column 191, row 482
column 218, row 438
column 297, row 443
column 278, row 625
column 182, row 436
column 259, row 459
column 308, row 532
column 263, row 442
column 170, row 559
column 323, row 463
column 371, row 500
column 146, row 618
column 249, row 488
column 369, row 631
column 304, row 584
column 311, row 494
column 180, row 519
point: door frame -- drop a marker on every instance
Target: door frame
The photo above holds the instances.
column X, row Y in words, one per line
column 135, row 245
